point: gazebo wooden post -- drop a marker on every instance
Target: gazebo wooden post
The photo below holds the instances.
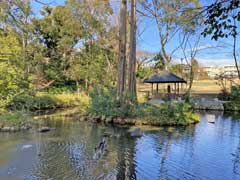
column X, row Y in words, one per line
column 152, row 89
column 178, row 89
column 157, row 88
column 175, row 90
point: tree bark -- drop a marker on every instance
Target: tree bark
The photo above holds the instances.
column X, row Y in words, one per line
column 132, row 56
column 121, row 83
column 234, row 54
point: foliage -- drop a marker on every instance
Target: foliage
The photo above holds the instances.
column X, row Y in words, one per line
column 96, row 63
column 144, row 72
column 104, row 103
column 177, row 68
column 232, row 106
column 233, row 95
column 13, row 118
column 69, row 47
column 232, row 98
column 12, row 81
column 220, row 19
column 159, row 61
column 59, row 90
column 167, row 114
column 49, row 101
column 188, row 98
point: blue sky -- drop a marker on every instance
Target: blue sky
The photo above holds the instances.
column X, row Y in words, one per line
column 211, row 53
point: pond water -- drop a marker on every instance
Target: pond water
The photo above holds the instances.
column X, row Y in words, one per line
column 203, row 151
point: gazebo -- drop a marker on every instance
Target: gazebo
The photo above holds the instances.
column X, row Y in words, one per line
column 166, row 77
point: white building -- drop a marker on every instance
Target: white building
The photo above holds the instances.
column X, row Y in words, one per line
column 228, row 70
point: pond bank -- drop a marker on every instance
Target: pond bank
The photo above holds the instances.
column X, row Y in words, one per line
column 186, row 118
column 15, row 121
column 193, row 119
column 19, row 121
column 207, row 104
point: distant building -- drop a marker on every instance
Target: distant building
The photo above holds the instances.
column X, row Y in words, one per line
column 214, row 71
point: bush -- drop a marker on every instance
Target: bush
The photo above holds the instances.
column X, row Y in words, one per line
column 32, row 102
column 104, row 103
column 232, row 106
column 224, row 96
column 234, row 95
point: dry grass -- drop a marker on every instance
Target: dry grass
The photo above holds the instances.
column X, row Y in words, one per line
column 200, row 88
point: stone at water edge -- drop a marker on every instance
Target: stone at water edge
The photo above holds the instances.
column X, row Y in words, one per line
column 82, row 118
column 13, row 129
column 108, row 120
column 136, row 132
column 45, row 129
column 6, row 129
column 119, row 120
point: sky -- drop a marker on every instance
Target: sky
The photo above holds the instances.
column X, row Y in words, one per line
column 210, row 52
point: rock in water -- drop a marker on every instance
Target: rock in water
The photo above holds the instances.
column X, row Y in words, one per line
column 136, row 132
column 212, row 122
column 27, row 146
column 107, row 134
column 44, row 129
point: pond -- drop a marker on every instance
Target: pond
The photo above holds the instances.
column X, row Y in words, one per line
column 203, row 151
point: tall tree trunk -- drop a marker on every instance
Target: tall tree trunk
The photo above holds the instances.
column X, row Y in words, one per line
column 191, row 78
column 234, row 52
column 132, row 56
column 122, row 51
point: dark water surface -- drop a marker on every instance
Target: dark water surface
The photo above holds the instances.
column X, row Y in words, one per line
column 204, row 151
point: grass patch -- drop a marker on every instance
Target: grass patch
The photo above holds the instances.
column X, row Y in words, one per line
column 43, row 101
column 13, row 118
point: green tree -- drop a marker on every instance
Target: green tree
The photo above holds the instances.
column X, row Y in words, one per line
column 93, row 65
column 12, row 81
column 59, row 32
column 221, row 22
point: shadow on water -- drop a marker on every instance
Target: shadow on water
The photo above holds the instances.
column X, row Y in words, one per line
column 198, row 152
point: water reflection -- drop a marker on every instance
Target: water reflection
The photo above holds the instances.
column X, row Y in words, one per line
column 203, row 151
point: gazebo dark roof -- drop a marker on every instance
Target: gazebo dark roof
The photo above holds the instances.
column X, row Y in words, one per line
column 164, row 77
